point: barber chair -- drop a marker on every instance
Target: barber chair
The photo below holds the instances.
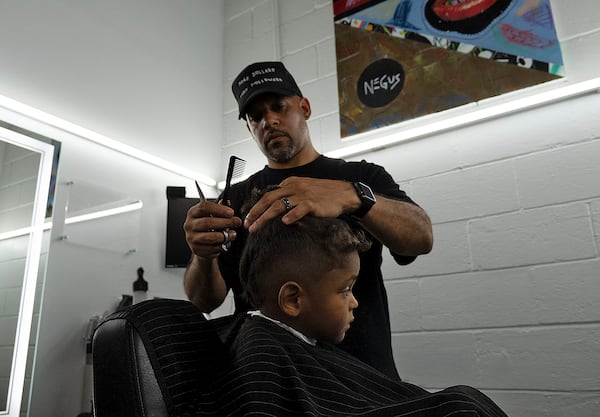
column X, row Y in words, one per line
column 152, row 358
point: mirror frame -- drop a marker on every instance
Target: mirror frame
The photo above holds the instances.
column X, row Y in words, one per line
column 32, row 264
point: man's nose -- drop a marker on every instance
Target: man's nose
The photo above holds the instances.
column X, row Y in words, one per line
column 271, row 118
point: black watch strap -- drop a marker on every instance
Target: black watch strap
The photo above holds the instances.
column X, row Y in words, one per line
column 367, row 199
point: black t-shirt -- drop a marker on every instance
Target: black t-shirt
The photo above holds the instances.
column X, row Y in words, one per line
column 369, row 337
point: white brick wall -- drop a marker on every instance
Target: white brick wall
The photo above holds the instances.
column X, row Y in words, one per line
column 509, row 299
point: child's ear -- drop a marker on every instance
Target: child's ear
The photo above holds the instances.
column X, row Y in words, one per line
column 290, row 298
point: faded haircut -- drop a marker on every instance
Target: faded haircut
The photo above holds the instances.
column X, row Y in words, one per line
column 303, row 251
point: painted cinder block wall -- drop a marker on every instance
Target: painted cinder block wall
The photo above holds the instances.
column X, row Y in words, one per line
column 509, row 299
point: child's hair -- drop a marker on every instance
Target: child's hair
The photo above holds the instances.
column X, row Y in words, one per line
column 302, row 251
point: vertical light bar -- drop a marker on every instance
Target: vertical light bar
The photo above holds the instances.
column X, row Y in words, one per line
column 32, row 262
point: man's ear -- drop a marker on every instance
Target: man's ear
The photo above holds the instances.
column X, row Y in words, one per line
column 290, row 298
column 305, row 106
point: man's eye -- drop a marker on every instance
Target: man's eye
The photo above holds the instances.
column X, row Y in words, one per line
column 253, row 117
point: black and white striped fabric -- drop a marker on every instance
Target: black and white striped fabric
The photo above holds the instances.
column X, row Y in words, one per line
column 274, row 373
column 249, row 366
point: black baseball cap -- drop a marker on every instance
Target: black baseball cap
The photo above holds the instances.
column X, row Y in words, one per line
column 260, row 78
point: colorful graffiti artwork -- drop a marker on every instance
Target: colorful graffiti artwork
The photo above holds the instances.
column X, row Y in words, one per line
column 401, row 59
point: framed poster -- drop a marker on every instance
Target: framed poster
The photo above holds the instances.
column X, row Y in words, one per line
column 398, row 60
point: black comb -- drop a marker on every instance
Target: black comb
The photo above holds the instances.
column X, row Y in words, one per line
column 235, row 170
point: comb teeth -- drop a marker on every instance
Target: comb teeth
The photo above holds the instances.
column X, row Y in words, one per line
column 238, row 167
column 234, row 170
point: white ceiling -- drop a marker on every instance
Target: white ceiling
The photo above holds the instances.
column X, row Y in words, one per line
column 148, row 73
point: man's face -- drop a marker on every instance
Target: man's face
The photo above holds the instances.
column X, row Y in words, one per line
column 278, row 125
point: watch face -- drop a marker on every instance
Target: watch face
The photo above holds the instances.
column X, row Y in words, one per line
column 367, row 199
column 365, row 191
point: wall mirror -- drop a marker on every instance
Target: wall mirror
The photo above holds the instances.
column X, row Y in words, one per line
column 28, row 165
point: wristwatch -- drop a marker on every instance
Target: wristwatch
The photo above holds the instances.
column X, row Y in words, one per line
column 367, row 199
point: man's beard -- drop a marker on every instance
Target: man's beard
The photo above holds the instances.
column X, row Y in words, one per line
column 283, row 152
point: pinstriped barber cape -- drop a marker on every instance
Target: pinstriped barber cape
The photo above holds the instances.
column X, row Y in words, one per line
column 274, row 373
column 250, row 366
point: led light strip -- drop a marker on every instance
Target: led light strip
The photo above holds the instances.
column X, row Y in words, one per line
column 31, row 267
column 395, row 134
column 102, row 140
column 135, row 205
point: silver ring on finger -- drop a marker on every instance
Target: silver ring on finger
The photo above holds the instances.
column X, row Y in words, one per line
column 286, row 204
column 225, row 244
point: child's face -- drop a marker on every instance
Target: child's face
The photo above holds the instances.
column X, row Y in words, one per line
column 330, row 303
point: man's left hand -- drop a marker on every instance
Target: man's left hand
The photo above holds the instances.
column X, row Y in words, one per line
column 299, row 196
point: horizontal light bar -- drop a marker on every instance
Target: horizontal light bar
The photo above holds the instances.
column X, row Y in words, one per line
column 135, row 205
column 102, row 140
column 394, row 134
column 19, row 232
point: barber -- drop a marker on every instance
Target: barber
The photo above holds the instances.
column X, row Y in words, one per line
column 276, row 115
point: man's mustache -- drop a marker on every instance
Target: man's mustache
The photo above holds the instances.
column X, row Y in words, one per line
column 274, row 133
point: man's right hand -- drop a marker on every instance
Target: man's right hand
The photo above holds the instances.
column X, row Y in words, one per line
column 208, row 226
